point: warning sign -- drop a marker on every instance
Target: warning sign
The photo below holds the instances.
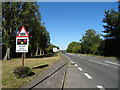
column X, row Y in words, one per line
column 22, row 41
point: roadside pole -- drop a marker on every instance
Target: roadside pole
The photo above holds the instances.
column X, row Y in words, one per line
column 22, row 59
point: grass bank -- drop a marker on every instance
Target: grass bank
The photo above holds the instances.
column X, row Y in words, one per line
column 96, row 55
column 9, row 80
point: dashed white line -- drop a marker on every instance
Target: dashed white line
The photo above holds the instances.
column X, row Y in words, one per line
column 88, row 76
column 73, row 62
column 76, row 65
column 80, row 68
column 100, row 87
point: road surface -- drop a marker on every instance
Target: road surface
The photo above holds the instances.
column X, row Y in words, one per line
column 97, row 72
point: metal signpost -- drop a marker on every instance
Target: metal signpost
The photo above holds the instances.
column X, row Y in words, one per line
column 22, row 41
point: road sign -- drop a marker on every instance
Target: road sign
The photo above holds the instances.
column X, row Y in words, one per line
column 22, row 41
column 55, row 50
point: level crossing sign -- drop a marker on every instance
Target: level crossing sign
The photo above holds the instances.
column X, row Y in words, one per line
column 22, row 41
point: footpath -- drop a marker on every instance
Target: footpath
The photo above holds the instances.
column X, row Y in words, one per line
column 53, row 77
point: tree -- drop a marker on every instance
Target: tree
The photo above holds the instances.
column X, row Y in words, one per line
column 9, row 25
column 90, row 42
column 16, row 15
column 74, row 47
column 112, row 30
column 44, row 39
column 50, row 47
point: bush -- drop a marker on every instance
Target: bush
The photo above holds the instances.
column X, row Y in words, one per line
column 22, row 72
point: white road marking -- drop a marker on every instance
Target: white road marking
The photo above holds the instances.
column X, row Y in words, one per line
column 68, row 57
column 116, row 67
column 76, row 65
column 112, row 63
column 90, row 60
column 100, row 87
column 73, row 62
column 88, row 76
column 98, row 62
column 80, row 68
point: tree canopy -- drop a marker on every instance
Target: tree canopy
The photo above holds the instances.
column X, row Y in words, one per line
column 90, row 42
column 74, row 47
column 112, row 31
column 16, row 15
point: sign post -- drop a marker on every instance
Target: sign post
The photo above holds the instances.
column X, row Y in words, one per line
column 23, row 59
column 22, row 41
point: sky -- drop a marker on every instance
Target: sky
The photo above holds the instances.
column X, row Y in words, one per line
column 67, row 21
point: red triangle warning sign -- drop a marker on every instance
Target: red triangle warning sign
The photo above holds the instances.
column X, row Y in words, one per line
column 23, row 33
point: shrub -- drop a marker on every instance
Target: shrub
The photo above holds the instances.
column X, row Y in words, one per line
column 22, row 72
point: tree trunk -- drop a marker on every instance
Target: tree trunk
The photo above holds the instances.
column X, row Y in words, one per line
column 40, row 52
column 7, row 55
column 37, row 51
column 43, row 53
column 31, row 54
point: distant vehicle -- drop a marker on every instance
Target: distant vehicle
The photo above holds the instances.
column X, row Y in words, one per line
column 63, row 52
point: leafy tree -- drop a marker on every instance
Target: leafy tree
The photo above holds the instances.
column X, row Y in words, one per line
column 74, row 47
column 16, row 15
column 90, row 42
column 50, row 47
column 9, row 25
column 44, row 39
column 112, row 30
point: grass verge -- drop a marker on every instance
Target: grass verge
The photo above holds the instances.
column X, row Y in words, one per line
column 9, row 80
column 96, row 55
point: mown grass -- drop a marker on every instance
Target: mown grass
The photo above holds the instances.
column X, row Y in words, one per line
column 9, row 80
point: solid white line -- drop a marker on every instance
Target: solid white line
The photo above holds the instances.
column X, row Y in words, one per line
column 88, row 76
column 68, row 57
column 100, row 87
column 90, row 59
column 112, row 63
column 76, row 65
column 80, row 68
column 98, row 62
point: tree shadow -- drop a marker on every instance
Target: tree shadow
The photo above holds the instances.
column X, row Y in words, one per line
column 46, row 55
column 31, row 74
column 41, row 66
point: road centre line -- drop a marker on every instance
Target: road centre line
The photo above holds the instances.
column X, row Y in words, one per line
column 88, row 76
column 76, row 65
column 73, row 62
column 112, row 63
column 80, row 68
column 100, row 87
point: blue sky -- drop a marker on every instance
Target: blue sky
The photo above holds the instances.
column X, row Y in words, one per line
column 68, row 21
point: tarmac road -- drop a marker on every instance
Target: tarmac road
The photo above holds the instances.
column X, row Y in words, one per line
column 92, row 72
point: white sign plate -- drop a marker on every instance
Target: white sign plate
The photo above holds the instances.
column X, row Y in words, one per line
column 55, row 50
column 22, row 41
column 22, row 44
